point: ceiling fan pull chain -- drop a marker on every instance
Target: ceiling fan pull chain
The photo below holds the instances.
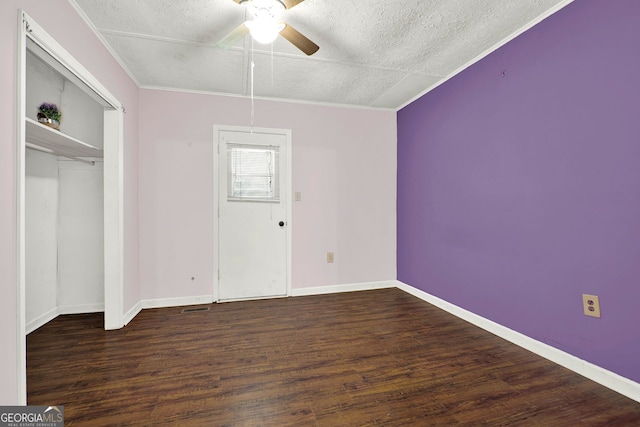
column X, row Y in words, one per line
column 252, row 104
column 253, row 112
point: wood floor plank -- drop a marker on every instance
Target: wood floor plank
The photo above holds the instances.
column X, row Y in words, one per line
column 368, row 358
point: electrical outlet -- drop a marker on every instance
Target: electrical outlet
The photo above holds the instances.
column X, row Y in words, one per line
column 329, row 257
column 591, row 304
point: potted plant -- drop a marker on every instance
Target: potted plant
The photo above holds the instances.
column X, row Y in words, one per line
column 49, row 115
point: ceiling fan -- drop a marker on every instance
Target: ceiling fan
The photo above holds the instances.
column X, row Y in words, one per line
column 265, row 25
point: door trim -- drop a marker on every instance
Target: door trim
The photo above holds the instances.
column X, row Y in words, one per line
column 217, row 129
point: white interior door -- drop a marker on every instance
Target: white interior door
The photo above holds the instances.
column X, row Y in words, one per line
column 252, row 215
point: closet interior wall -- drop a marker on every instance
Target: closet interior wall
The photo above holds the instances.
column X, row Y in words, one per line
column 64, row 214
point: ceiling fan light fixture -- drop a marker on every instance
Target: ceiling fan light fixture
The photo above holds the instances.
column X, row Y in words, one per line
column 265, row 23
column 264, row 30
column 265, row 8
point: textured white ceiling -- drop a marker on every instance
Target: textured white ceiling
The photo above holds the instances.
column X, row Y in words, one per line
column 375, row 53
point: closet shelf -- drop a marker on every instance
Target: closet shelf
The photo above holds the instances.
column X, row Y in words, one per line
column 57, row 142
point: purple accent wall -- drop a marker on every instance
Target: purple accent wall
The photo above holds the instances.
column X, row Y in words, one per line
column 519, row 185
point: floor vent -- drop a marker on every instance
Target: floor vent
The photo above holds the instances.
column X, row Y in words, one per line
column 194, row 309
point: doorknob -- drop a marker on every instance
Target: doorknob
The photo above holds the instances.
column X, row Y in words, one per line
column 281, row 223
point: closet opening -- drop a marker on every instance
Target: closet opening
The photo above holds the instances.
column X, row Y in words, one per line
column 64, row 196
column 70, row 190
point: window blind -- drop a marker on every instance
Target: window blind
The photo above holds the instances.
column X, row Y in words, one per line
column 253, row 173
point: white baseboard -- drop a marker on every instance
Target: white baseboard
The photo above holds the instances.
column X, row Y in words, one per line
column 176, row 302
column 41, row 320
column 208, row 299
column 332, row 289
column 80, row 308
column 609, row 379
column 133, row 312
column 60, row 310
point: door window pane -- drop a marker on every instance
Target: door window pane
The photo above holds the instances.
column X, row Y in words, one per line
column 253, row 173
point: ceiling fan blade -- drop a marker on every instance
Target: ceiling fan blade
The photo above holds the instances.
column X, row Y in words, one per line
column 290, row 3
column 298, row 40
column 235, row 35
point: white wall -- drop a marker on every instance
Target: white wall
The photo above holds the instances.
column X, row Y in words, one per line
column 41, row 215
column 64, row 238
column 80, row 238
column 344, row 164
column 82, row 117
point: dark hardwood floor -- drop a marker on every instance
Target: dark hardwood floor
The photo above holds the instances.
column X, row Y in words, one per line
column 366, row 358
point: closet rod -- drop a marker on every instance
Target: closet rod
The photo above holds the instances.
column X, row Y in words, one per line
column 48, row 151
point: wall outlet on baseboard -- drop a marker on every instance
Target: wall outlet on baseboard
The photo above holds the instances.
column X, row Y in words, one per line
column 329, row 257
column 591, row 304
